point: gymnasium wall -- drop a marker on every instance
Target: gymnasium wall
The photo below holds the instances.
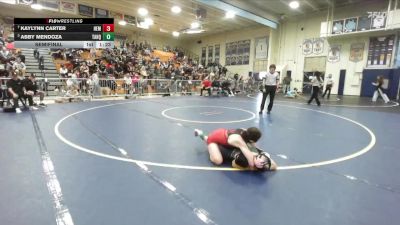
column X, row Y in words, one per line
column 223, row 38
column 293, row 32
column 158, row 41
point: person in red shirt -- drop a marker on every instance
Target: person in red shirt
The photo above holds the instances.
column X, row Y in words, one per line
column 206, row 85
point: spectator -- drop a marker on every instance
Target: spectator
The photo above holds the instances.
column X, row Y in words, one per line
column 226, row 87
column 329, row 85
column 286, row 83
column 21, row 57
column 4, row 54
column 19, row 67
column 36, row 53
column 63, row 71
column 119, row 71
column 31, row 88
column 84, row 70
column 17, row 92
column 206, row 85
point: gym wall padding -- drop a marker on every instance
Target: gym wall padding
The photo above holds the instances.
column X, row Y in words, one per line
column 369, row 77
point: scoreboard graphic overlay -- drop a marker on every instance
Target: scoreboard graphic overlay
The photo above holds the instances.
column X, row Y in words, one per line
column 64, row 32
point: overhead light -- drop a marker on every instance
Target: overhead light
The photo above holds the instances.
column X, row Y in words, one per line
column 230, row 14
column 12, row 2
column 195, row 25
column 175, row 34
column 176, row 9
column 122, row 22
column 37, row 6
column 143, row 11
column 163, row 30
column 294, row 4
column 148, row 21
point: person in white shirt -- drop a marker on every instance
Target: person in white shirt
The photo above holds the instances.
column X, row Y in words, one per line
column 270, row 83
column 19, row 67
column 63, row 71
column 127, row 83
column 316, row 83
column 329, row 85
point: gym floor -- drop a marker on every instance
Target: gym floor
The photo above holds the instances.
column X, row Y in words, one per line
column 138, row 162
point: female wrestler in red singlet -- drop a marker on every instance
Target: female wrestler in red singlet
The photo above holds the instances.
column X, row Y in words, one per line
column 235, row 138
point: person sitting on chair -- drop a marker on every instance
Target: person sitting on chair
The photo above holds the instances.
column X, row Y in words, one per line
column 216, row 86
column 235, row 146
column 226, row 87
column 31, row 88
column 206, row 85
column 17, row 92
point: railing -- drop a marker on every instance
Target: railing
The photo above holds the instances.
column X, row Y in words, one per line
column 81, row 87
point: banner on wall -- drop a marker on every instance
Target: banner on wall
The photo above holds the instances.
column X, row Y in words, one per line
column 216, row 53
column 130, row 19
column 364, row 23
column 380, row 50
column 318, row 46
column 117, row 16
column 356, row 52
column 378, row 20
column 210, row 54
column 101, row 13
column 237, row 53
column 203, row 56
column 261, row 48
column 334, row 53
column 68, row 7
column 307, row 46
column 350, row 25
column 85, row 10
column 337, row 27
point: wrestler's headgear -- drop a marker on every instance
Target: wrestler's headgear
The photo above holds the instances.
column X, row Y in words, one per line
column 267, row 164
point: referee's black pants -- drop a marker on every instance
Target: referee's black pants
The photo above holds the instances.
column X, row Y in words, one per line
column 315, row 91
column 269, row 90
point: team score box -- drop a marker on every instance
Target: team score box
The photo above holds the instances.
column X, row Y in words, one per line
column 108, row 37
column 108, row 27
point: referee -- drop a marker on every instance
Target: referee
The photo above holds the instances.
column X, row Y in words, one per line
column 270, row 83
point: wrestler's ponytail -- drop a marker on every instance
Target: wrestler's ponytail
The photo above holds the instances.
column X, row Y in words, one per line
column 251, row 134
